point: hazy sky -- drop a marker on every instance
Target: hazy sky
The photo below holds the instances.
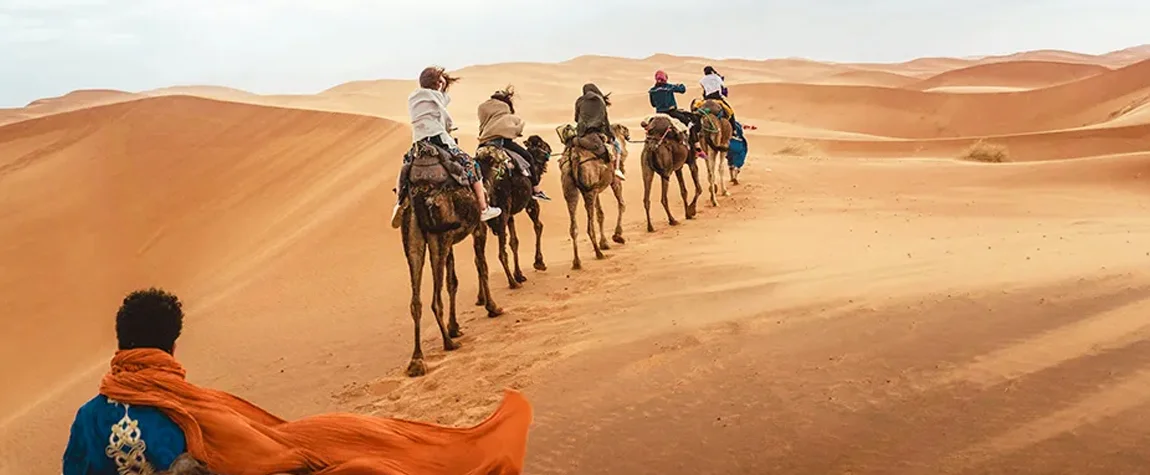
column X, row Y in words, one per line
column 49, row 47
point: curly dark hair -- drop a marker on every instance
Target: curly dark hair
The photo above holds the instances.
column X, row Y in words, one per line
column 149, row 318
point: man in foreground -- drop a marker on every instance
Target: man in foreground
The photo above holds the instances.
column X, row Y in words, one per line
column 147, row 414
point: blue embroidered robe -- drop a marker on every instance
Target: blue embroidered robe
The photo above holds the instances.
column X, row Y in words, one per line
column 109, row 438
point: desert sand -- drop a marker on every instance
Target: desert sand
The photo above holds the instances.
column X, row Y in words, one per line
column 865, row 302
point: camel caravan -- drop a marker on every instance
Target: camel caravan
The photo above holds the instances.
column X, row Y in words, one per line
column 148, row 418
column 445, row 195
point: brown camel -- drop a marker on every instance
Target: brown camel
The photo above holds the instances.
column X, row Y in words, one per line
column 714, row 137
column 584, row 174
column 622, row 136
column 511, row 191
column 440, row 215
column 665, row 151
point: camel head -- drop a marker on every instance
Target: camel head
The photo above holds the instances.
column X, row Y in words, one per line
column 621, row 131
column 540, row 152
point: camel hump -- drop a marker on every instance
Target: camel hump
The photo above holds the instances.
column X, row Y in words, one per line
column 432, row 165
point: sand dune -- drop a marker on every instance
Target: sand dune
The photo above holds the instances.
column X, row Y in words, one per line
column 71, row 101
column 868, row 78
column 1013, row 74
column 914, row 114
column 849, row 299
column 76, row 207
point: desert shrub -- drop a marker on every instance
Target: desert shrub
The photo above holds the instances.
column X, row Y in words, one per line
column 798, row 148
column 987, row 152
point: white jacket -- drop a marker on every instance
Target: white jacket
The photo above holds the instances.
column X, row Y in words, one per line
column 429, row 117
column 711, row 83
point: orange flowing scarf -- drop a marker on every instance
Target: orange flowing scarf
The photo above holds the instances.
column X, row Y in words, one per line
column 235, row 437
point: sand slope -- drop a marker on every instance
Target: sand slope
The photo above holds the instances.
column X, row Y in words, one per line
column 71, row 101
column 915, row 114
column 163, row 190
column 1013, row 74
column 849, row 301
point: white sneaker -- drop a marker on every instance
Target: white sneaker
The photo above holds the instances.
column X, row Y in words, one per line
column 490, row 212
column 619, row 173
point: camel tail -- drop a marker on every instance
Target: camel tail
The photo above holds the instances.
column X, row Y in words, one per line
column 577, row 177
column 428, row 220
column 711, row 142
column 653, row 161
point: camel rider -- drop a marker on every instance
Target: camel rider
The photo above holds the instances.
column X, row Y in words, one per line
column 662, row 96
column 499, row 126
column 713, row 88
column 427, row 106
column 591, row 120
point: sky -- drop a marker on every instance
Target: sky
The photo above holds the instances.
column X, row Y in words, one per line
column 51, row 47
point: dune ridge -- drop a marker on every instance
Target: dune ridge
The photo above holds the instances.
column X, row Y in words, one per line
column 1020, row 74
column 841, row 301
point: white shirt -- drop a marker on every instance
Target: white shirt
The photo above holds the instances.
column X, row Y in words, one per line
column 711, row 83
column 429, row 117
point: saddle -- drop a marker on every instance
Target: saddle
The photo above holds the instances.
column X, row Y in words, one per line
column 499, row 157
column 434, row 166
column 699, row 106
column 657, row 123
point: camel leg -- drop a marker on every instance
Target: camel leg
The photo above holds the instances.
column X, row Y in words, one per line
column 572, row 204
column 687, row 205
column 502, row 224
column 533, row 213
column 519, row 277
column 712, row 188
column 617, row 189
column 694, row 208
column 481, row 297
column 590, row 202
column 599, row 214
column 439, row 249
column 648, row 175
column 721, row 164
column 415, row 247
column 452, row 288
column 480, row 238
column 666, row 204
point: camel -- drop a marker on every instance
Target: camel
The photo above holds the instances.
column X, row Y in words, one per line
column 584, row 174
column 622, row 136
column 665, row 151
column 714, row 138
column 440, row 214
column 511, row 191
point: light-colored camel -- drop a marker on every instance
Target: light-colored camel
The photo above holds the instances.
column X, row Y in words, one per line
column 440, row 214
column 665, row 151
column 622, row 136
column 714, row 139
column 584, row 175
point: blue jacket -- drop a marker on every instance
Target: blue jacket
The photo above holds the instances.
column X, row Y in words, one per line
column 663, row 96
column 737, row 149
column 160, row 439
